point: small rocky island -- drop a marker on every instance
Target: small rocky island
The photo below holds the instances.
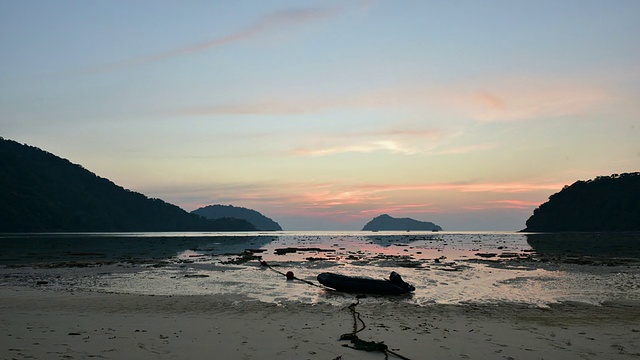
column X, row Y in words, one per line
column 257, row 219
column 604, row 204
column 387, row 223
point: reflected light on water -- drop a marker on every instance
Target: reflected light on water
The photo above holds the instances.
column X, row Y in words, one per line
column 449, row 268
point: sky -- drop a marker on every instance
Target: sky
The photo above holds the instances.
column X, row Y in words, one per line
column 325, row 114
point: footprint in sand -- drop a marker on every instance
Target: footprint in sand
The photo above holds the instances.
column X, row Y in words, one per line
column 618, row 347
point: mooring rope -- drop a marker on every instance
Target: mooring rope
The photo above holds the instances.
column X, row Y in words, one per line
column 289, row 275
column 358, row 344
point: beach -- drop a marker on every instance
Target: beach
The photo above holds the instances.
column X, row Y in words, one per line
column 38, row 323
column 208, row 296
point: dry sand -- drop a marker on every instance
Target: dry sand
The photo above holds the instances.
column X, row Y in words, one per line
column 45, row 324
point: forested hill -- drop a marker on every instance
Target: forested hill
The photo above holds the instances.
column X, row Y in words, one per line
column 258, row 220
column 606, row 203
column 388, row 223
column 40, row 192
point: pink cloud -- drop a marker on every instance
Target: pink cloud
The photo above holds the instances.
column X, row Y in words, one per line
column 504, row 204
column 401, row 209
column 490, row 100
column 508, row 187
column 516, row 204
column 328, row 195
column 533, row 99
column 344, row 202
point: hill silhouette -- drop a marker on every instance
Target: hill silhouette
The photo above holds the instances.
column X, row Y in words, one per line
column 386, row 222
column 41, row 192
column 606, row 203
column 258, row 220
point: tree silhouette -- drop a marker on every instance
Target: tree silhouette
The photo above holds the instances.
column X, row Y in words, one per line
column 606, row 203
column 40, row 192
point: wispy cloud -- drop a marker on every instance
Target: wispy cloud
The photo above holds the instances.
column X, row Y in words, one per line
column 400, row 209
column 505, row 187
column 465, row 149
column 527, row 99
column 348, row 202
column 491, row 100
column 289, row 17
column 399, row 146
column 403, row 140
column 382, row 145
column 356, row 195
column 516, row 204
column 504, row 204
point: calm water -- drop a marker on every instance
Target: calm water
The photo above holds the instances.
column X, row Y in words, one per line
column 445, row 267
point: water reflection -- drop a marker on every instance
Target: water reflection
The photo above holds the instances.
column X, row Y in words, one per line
column 388, row 240
column 598, row 245
column 51, row 248
column 444, row 267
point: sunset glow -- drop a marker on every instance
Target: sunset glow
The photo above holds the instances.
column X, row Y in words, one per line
column 325, row 114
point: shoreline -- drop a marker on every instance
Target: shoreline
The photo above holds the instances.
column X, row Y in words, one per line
column 45, row 323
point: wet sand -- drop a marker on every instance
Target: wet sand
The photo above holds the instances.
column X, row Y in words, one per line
column 52, row 324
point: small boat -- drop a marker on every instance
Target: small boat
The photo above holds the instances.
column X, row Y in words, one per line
column 361, row 285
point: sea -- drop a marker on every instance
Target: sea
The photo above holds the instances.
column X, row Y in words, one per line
column 445, row 267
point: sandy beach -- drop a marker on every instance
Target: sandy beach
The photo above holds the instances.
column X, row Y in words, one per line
column 38, row 323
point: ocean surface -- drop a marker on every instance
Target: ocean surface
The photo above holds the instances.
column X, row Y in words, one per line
column 445, row 267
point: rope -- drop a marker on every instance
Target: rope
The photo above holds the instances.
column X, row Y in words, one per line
column 352, row 307
column 308, row 282
column 264, row 263
column 358, row 344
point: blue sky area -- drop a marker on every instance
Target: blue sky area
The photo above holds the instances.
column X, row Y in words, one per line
column 324, row 114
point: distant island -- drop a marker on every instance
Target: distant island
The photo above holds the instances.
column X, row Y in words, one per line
column 258, row 220
column 606, row 203
column 387, row 223
column 41, row 192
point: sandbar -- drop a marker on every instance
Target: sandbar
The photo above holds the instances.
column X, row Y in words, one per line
column 40, row 323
